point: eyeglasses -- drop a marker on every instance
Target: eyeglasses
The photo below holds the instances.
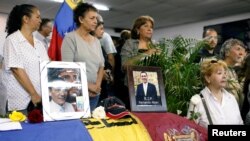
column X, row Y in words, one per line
column 68, row 77
column 212, row 37
column 142, row 50
column 213, row 61
column 59, row 90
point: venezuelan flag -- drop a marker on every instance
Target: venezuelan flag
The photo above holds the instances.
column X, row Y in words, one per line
column 63, row 24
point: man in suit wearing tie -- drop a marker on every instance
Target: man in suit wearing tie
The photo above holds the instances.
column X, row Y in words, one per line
column 146, row 93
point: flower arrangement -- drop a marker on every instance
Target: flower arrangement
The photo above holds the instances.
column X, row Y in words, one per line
column 35, row 114
column 194, row 101
column 17, row 116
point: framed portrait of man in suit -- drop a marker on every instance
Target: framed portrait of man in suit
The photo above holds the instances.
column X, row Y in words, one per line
column 146, row 89
column 64, row 90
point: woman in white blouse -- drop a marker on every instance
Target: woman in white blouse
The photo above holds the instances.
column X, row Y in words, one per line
column 22, row 55
column 220, row 103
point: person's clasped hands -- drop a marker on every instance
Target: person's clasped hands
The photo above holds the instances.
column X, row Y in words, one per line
column 94, row 89
column 153, row 51
column 108, row 76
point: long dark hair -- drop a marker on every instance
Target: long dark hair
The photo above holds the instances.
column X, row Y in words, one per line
column 14, row 21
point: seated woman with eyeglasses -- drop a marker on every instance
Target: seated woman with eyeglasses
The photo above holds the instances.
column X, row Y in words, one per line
column 219, row 102
column 138, row 46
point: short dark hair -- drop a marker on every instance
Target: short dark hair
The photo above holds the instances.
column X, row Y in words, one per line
column 206, row 30
column 144, row 72
column 53, row 74
column 125, row 34
column 81, row 10
column 43, row 23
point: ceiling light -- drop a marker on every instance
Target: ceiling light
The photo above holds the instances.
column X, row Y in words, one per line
column 98, row 6
column 59, row 1
column 101, row 7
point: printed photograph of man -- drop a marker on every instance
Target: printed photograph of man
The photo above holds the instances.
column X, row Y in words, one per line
column 146, row 92
column 71, row 75
column 75, row 98
column 58, row 100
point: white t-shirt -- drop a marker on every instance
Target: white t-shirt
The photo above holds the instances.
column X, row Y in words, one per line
column 107, row 43
column 45, row 41
column 19, row 53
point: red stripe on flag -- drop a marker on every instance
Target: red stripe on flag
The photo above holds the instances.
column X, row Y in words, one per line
column 54, row 50
column 63, row 24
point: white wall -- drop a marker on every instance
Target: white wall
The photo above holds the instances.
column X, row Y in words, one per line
column 194, row 30
column 111, row 32
column 3, row 18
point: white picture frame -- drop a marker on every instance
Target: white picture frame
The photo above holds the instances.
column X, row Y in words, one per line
column 64, row 86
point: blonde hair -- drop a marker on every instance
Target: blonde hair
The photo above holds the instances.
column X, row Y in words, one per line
column 209, row 66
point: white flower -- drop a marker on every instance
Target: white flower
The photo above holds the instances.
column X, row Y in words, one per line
column 99, row 113
column 195, row 99
column 179, row 112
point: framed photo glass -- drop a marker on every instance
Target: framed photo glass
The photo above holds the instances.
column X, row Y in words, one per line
column 146, row 89
column 64, row 90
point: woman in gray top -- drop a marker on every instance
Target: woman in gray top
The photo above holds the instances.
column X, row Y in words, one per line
column 81, row 46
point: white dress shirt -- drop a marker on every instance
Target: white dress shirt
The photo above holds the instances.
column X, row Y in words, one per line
column 44, row 40
column 55, row 108
column 145, row 87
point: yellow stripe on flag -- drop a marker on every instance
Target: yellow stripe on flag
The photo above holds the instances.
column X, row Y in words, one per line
column 73, row 3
